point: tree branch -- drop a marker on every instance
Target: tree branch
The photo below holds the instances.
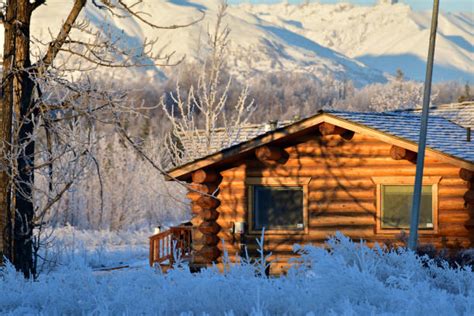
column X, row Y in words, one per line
column 55, row 46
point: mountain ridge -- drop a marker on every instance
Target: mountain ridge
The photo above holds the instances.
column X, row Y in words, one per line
column 342, row 41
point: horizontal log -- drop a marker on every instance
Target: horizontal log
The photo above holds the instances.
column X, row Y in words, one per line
column 210, row 240
column 229, row 182
column 239, row 190
column 207, row 202
column 194, row 196
column 342, row 207
column 336, row 162
column 234, row 208
column 469, row 197
column 450, row 204
column 330, row 129
column 207, row 188
column 348, row 173
column 454, row 230
column 209, row 215
column 196, row 221
column 451, row 190
column 233, row 200
column 270, row 153
column 207, row 254
column 341, row 221
column 453, row 180
column 342, row 194
column 196, row 209
column 331, row 182
column 399, row 153
column 454, row 216
column 205, row 176
column 209, row 228
column 315, row 235
column 466, row 175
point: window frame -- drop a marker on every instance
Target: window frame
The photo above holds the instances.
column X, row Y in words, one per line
column 433, row 181
column 302, row 182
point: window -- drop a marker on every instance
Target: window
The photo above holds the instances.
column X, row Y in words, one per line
column 278, row 205
column 394, row 203
column 396, row 206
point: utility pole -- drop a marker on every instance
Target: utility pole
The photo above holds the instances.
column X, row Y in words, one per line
column 415, row 211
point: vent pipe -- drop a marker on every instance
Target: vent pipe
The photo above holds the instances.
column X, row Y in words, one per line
column 271, row 125
column 468, row 134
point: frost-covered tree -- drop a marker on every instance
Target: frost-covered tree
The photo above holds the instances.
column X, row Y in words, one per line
column 203, row 117
column 49, row 92
column 118, row 192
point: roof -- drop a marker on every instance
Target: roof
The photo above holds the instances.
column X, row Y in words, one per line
column 459, row 113
column 222, row 138
column 445, row 138
column 443, row 135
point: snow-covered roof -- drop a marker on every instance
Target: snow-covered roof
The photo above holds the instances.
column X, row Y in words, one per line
column 459, row 113
column 444, row 137
column 223, row 138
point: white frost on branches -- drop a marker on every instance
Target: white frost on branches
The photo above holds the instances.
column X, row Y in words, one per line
column 203, row 119
column 396, row 94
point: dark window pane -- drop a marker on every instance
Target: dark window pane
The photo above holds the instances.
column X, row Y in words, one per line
column 396, row 206
column 277, row 207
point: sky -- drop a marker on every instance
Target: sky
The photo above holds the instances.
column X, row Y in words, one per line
column 445, row 5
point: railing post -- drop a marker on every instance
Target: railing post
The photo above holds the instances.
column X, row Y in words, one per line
column 152, row 254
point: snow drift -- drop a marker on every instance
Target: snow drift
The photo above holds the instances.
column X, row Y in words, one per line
column 349, row 279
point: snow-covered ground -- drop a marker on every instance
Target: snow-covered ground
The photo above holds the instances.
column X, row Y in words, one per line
column 351, row 279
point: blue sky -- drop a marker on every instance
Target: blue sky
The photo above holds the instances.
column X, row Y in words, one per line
column 446, row 5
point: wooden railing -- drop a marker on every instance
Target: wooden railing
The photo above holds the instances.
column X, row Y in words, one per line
column 166, row 245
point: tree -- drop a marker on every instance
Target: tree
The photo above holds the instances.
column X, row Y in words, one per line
column 466, row 96
column 44, row 104
column 203, row 120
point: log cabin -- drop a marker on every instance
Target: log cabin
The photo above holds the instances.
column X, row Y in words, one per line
column 350, row 172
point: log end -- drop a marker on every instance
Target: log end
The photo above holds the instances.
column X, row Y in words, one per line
column 466, row 175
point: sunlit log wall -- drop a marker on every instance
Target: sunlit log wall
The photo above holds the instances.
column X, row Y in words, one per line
column 342, row 195
column 204, row 202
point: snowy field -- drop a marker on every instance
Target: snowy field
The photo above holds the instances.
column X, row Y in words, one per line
column 351, row 279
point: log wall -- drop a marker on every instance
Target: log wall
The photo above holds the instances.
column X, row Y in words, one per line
column 342, row 195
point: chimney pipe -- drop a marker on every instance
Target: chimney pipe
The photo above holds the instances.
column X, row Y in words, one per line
column 271, row 125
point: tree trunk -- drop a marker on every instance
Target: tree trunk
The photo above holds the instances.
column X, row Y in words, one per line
column 17, row 97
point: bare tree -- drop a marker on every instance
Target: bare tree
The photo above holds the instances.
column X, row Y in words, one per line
column 203, row 120
column 50, row 106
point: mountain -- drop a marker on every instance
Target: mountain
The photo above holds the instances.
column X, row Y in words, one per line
column 384, row 36
column 347, row 42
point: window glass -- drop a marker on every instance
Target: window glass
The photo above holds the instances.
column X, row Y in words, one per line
column 277, row 207
column 396, row 206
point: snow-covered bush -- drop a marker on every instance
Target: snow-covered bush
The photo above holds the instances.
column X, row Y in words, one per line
column 346, row 278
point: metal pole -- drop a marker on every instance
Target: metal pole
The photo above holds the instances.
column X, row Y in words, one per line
column 415, row 211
